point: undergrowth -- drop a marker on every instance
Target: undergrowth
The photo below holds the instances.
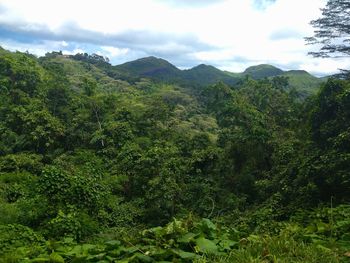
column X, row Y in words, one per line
column 314, row 238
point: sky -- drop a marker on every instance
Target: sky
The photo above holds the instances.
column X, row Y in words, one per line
column 229, row 34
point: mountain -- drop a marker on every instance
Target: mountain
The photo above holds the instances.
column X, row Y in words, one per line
column 203, row 75
column 262, row 71
column 208, row 75
column 151, row 67
column 303, row 81
column 160, row 70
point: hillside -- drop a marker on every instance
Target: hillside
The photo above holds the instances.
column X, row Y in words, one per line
column 303, row 81
column 99, row 165
column 262, row 71
column 151, row 67
column 204, row 75
column 111, row 77
column 160, row 70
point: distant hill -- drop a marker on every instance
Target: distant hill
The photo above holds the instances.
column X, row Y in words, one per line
column 204, row 75
column 152, row 67
column 262, row 71
column 207, row 75
column 303, row 81
column 160, row 70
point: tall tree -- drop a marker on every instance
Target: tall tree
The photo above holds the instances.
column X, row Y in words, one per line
column 332, row 30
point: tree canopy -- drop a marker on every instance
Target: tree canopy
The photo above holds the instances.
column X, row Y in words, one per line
column 332, row 30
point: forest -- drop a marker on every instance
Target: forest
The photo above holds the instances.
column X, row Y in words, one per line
column 144, row 162
column 99, row 167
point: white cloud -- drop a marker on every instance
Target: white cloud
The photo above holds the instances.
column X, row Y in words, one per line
column 321, row 66
column 39, row 49
column 230, row 34
column 64, row 44
column 73, row 52
column 114, row 51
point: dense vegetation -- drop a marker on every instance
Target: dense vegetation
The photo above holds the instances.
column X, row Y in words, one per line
column 202, row 75
column 100, row 165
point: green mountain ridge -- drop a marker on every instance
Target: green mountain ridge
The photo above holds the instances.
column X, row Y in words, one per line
column 149, row 67
column 160, row 70
column 203, row 75
column 208, row 75
column 262, row 71
column 303, row 81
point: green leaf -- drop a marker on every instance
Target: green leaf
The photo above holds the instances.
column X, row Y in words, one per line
column 87, row 247
column 205, row 245
column 140, row 258
column 156, row 231
column 77, row 250
column 208, row 224
column 56, row 258
column 254, row 239
column 185, row 255
column 208, row 227
column 227, row 244
column 130, row 250
column 40, row 260
column 114, row 252
column 321, row 227
column 113, row 244
column 187, row 238
column 323, row 248
column 345, row 237
column 95, row 257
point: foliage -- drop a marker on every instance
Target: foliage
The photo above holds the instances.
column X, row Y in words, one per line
column 194, row 241
column 262, row 71
column 332, row 29
column 96, row 161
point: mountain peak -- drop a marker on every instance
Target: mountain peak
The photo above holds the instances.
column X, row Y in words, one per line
column 148, row 61
column 298, row 72
column 149, row 67
column 263, row 71
column 203, row 75
column 204, row 67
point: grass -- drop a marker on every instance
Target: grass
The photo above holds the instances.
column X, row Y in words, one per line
column 278, row 249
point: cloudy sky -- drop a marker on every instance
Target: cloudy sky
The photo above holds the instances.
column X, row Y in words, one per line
column 229, row 34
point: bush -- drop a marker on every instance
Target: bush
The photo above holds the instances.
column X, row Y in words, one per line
column 20, row 240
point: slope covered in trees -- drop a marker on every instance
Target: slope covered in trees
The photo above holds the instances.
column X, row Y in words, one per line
column 100, row 166
column 203, row 75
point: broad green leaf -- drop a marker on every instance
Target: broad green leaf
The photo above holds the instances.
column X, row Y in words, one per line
column 185, row 255
column 96, row 257
column 114, row 252
column 113, row 244
column 205, row 222
column 77, row 250
column 56, row 258
column 323, row 248
column 130, row 250
column 138, row 257
column 205, row 245
column 227, row 244
column 321, row 227
column 40, row 260
column 188, row 237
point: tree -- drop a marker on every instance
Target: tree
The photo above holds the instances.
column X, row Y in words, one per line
column 332, row 30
